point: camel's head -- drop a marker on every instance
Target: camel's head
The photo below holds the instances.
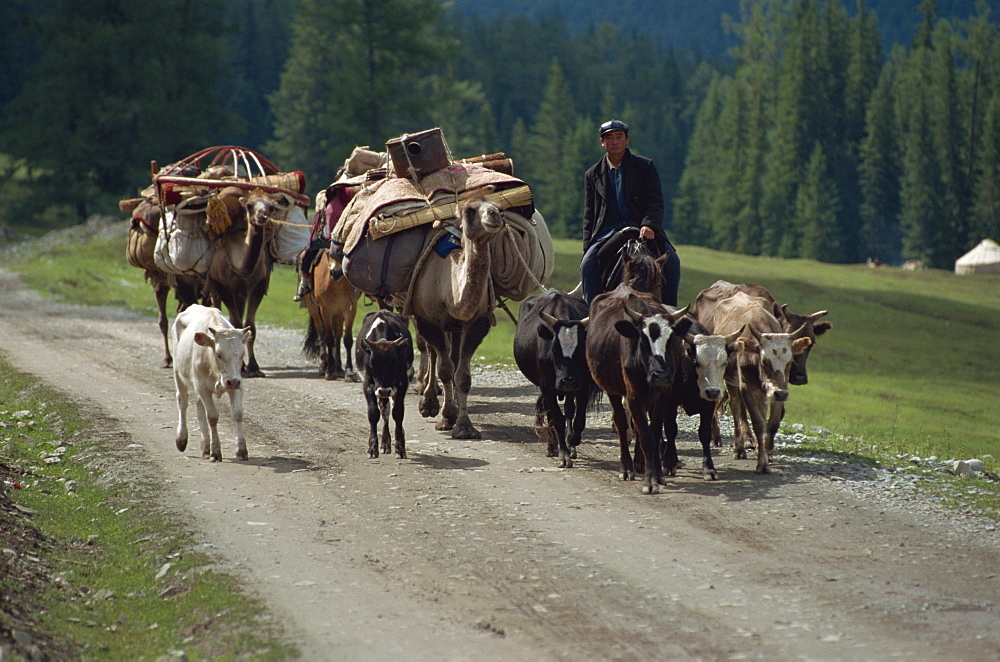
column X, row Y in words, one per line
column 259, row 206
column 479, row 217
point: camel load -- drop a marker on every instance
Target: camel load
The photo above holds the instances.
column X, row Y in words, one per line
column 389, row 222
column 198, row 199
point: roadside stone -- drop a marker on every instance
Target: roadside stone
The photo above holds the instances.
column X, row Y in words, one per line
column 162, row 572
column 968, row 468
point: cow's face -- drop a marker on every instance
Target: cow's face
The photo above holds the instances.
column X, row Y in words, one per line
column 567, row 341
column 656, row 341
column 711, row 352
column 776, row 353
column 228, row 348
column 385, row 365
column 810, row 328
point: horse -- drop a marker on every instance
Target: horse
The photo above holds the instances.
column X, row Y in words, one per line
column 332, row 306
column 625, row 258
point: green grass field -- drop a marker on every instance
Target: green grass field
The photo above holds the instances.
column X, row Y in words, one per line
column 910, row 366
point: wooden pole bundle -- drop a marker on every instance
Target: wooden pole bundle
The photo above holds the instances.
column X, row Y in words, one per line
column 380, row 226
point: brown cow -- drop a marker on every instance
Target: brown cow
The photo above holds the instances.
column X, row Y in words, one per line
column 757, row 374
column 633, row 349
column 790, row 321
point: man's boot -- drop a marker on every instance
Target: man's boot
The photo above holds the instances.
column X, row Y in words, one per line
column 305, row 287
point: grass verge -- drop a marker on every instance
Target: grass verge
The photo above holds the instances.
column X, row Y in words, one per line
column 97, row 567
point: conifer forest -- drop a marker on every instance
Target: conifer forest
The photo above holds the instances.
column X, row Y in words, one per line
column 810, row 134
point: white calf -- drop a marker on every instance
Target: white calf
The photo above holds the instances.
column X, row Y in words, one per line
column 208, row 355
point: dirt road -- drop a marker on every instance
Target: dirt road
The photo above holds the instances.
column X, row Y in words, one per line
column 484, row 550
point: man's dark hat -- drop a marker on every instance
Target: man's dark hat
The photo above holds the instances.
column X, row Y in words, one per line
column 614, row 125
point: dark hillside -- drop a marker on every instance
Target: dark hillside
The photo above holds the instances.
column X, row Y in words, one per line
column 698, row 25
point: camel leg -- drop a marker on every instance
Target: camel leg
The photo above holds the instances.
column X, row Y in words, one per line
column 429, row 403
column 349, row 374
column 252, row 303
column 426, row 371
column 161, row 290
column 470, row 338
column 446, row 371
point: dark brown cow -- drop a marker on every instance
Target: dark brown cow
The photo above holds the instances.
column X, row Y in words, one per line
column 633, row 348
column 757, row 374
column 789, row 321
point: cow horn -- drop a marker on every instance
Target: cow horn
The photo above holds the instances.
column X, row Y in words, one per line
column 680, row 313
column 548, row 319
column 731, row 338
column 801, row 331
column 585, row 321
column 633, row 315
column 815, row 316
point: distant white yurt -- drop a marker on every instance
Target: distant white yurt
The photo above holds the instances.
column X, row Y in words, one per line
column 983, row 259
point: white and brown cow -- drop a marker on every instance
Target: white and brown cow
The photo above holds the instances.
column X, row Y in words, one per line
column 208, row 355
column 789, row 321
column 757, row 374
column 698, row 385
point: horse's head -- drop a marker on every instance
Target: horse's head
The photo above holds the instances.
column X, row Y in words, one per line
column 640, row 271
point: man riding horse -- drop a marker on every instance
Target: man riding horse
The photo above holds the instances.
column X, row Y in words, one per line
column 621, row 191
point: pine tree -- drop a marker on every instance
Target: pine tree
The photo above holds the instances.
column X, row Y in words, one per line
column 692, row 223
column 817, row 207
column 981, row 51
column 861, row 76
column 921, row 204
column 985, row 217
column 879, row 173
column 357, row 71
column 111, row 92
column 549, row 142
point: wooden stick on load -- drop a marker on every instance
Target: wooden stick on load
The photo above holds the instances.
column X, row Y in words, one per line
column 381, row 226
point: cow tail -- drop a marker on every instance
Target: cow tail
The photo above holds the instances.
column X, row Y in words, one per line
column 313, row 344
column 594, row 396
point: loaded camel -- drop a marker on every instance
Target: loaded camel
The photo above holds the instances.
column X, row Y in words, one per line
column 240, row 271
column 451, row 304
column 140, row 253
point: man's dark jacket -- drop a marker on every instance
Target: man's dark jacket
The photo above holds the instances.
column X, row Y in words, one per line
column 642, row 191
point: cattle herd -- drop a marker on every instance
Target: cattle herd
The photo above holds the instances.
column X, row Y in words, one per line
column 733, row 345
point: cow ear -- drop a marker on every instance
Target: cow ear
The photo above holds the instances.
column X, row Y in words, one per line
column 545, row 333
column 247, row 334
column 800, row 345
column 204, row 339
column 822, row 327
column 365, row 345
column 627, row 329
column 683, row 326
